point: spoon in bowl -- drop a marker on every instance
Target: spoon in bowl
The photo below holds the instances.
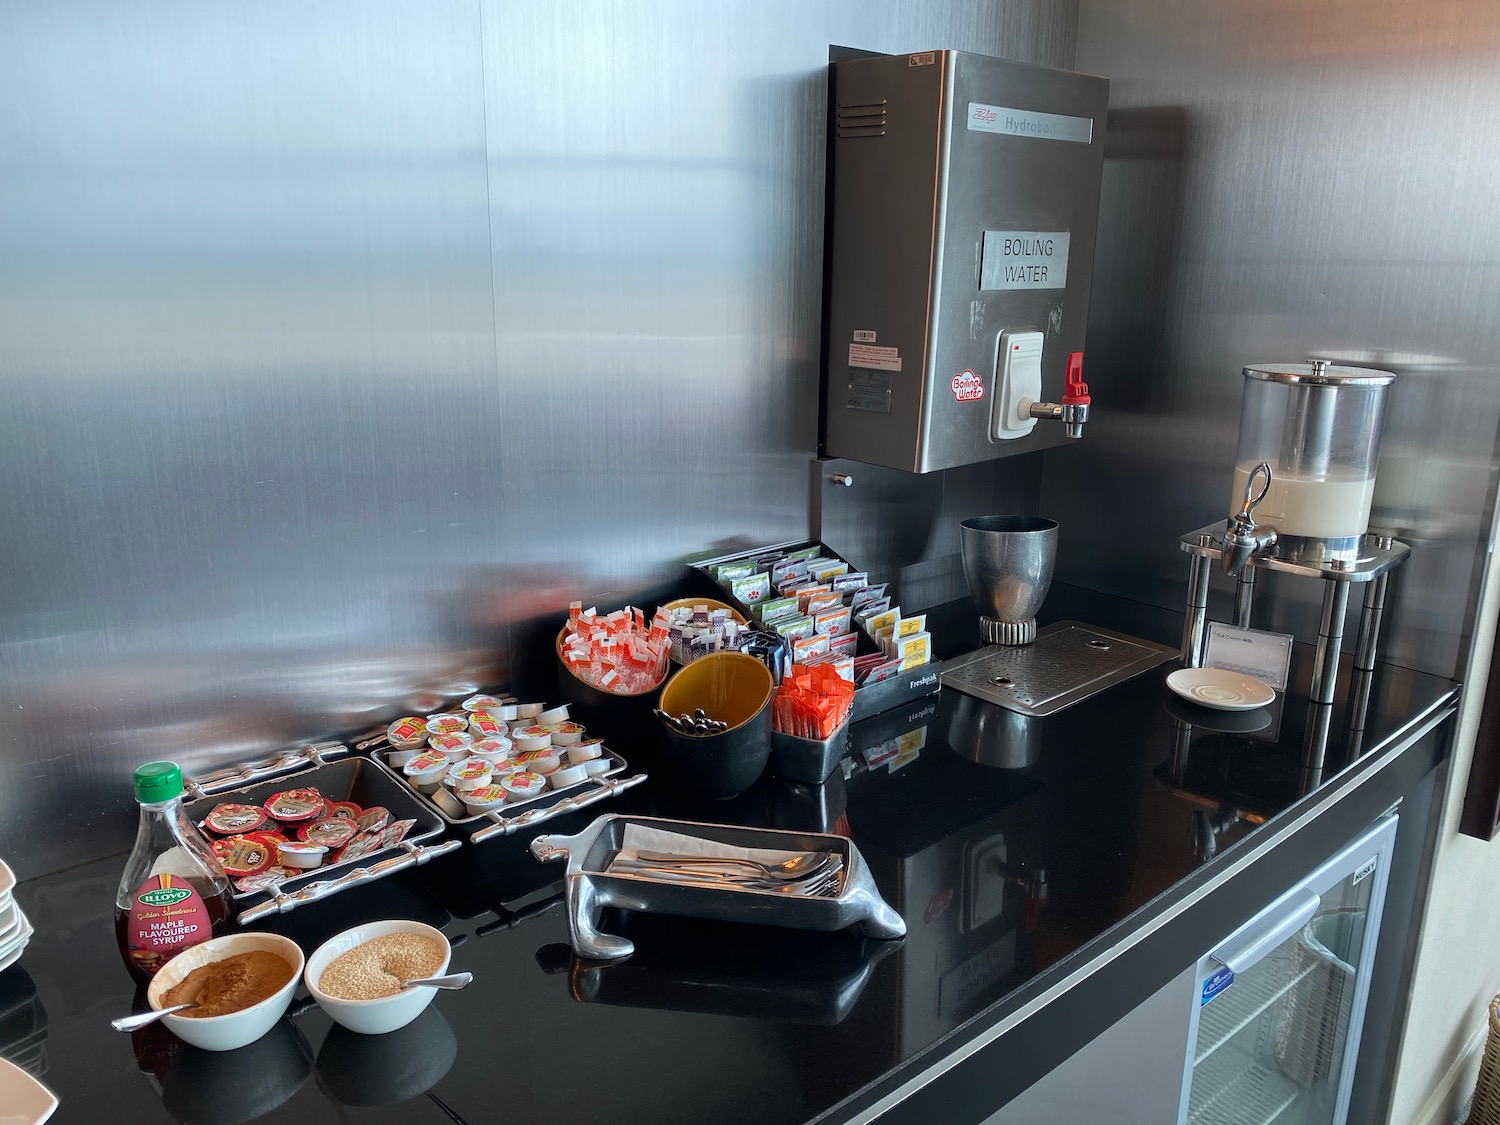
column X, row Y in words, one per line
column 452, row 980
column 142, row 1019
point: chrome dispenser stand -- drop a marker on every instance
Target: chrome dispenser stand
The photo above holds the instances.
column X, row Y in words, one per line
column 1379, row 554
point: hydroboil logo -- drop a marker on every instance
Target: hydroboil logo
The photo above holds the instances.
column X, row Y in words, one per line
column 166, row 896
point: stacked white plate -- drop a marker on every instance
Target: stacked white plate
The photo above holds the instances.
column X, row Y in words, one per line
column 23, row 1099
column 15, row 930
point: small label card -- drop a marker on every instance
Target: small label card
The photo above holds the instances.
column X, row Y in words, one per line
column 1251, row 652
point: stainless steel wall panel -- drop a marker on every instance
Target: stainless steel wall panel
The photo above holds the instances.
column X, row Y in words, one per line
column 337, row 339
column 1304, row 181
column 244, row 295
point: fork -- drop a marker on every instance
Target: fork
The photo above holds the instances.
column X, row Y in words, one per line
column 823, row 883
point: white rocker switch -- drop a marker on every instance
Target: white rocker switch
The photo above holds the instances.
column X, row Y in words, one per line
column 1018, row 383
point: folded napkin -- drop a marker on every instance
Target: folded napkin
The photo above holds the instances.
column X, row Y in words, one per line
column 639, row 838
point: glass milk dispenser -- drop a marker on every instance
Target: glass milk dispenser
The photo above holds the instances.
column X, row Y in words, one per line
column 1299, row 503
column 1305, row 469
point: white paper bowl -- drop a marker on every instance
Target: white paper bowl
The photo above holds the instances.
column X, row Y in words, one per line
column 373, row 1017
column 227, row 1032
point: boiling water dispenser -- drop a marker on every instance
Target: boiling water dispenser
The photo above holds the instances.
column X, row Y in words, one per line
column 1299, row 503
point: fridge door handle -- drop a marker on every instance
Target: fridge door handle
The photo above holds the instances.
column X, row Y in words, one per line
column 1267, row 932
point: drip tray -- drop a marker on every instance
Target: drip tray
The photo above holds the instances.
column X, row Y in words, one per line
column 1067, row 663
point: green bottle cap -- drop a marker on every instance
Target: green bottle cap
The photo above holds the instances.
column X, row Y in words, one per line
column 156, row 782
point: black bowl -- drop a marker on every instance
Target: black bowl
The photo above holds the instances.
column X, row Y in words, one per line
column 720, row 765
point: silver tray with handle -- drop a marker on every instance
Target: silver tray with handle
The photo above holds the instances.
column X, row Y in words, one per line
column 479, row 827
column 590, row 887
column 337, row 779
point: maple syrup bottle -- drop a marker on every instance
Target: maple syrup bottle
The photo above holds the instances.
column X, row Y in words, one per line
column 173, row 893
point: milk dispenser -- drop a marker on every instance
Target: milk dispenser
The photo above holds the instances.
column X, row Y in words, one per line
column 964, row 201
column 1299, row 503
column 1309, row 440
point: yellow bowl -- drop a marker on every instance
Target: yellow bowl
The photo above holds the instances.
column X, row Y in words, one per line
column 728, row 686
column 735, row 689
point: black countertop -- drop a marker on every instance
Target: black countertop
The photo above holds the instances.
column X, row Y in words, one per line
column 1024, row 855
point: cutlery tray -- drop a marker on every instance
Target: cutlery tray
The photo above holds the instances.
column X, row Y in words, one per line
column 590, row 888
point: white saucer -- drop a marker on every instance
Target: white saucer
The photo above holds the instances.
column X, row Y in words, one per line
column 26, row 1101
column 1221, row 690
column 10, row 922
column 7, row 882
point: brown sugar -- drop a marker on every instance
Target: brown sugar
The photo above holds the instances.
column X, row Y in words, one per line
column 231, row 984
column 377, row 967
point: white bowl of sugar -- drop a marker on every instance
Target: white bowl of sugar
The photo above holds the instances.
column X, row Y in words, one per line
column 355, row 976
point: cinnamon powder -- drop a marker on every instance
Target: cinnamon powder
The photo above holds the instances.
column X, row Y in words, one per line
column 230, row 984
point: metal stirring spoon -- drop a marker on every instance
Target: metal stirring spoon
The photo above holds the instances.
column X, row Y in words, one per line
column 142, row 1019
column 452, row 980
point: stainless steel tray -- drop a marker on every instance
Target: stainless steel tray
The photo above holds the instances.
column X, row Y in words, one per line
column 590, row 888
column 808, row 760
column 512, row 818
column 352, row 779
column 1067, row 663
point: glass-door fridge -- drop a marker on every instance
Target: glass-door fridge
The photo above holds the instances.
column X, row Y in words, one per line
column 1280, row 1003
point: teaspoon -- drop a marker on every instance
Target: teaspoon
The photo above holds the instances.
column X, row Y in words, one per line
column 452, row 980
column 142, row 1019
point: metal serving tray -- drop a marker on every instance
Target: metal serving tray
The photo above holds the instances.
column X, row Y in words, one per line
column 352, row 779
column 512, row 818
column 590, row 888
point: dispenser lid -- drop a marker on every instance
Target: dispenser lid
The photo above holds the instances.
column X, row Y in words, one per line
column 1320, row 373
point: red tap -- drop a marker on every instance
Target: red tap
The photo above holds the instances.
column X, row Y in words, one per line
column 1075, row 390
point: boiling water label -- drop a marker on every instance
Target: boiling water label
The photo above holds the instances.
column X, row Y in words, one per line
column 967, row 386
column 166, row 916
column 1250, row 652
column 1024, row 259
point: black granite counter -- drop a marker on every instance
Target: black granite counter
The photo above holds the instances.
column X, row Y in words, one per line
column 1031, row 858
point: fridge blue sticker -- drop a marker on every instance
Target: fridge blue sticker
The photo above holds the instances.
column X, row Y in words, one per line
column 1216, row 984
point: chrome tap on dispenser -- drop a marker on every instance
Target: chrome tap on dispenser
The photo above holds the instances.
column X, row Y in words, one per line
column 1244, row 538
column 1073, row 410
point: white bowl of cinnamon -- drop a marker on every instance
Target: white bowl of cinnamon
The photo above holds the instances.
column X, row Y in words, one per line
column 242, row 985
